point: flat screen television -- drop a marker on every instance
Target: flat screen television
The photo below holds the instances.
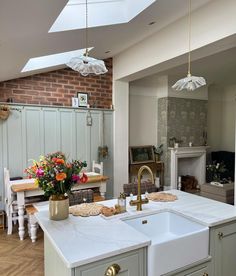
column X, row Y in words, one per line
column 141, row 154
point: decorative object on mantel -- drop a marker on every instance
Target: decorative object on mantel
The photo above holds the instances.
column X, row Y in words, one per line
column 84, row 64
column 204, row 136
column 174, row 142
column 189, row 83
column 56, row 177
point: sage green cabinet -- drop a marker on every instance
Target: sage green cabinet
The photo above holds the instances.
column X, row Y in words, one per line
column 201, row 268
column 132, row 263
column 223, row 249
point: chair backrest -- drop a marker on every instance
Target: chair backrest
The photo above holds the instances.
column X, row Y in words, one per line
column 145, row 187
column 97, row 167
column 8, row 195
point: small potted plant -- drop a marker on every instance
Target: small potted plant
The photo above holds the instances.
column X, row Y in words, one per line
column 158, row 152
column 56, row 177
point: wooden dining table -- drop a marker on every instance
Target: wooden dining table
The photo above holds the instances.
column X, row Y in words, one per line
column 25, row 188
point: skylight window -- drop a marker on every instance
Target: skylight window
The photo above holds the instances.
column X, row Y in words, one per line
column 51, row 60
column 101, row 13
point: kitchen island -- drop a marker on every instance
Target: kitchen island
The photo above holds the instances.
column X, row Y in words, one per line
column 90, row 245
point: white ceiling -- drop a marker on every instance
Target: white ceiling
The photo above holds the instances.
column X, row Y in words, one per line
column 24, row 27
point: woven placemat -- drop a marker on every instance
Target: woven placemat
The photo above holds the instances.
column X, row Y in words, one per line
column 86, row 209
column 162, row 197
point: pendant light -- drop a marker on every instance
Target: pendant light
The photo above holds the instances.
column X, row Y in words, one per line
column 84, row 64
column 189, row 83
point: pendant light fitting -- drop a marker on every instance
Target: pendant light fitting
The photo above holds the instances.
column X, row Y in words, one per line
column 189, row 83
column 84, row 64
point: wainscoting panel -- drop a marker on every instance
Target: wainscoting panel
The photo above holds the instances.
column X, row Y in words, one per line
column 50, row 126
column 95, row 135
column 13, row 146
column 82, row 136
column 32, row 131
column 67, row 132
column 108, row 141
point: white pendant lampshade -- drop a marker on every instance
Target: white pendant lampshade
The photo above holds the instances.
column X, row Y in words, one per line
column 189, row 83
column 84, row 64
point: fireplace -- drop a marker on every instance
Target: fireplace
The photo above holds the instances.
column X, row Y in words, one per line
column 188, row 161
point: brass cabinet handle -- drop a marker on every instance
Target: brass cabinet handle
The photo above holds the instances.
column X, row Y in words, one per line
column 205, row 274
column 220, row 235
column 112, row 270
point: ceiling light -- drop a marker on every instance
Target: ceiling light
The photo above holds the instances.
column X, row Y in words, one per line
column 189, row 83
column 84, row 64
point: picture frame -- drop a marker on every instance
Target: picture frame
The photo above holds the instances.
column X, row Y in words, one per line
column 75, row 102
column 83, row 99
column 141, row 154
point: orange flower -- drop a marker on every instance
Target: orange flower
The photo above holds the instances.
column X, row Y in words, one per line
column 60, row 176
column 34, row 168
column 59, row 161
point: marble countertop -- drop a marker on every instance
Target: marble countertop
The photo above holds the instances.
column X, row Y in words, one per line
column 82, row 240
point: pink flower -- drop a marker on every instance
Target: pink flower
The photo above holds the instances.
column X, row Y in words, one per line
column 39, row 172
column 75, row 178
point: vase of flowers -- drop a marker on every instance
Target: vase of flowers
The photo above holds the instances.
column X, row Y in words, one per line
column 216, row 170
column 56, row 177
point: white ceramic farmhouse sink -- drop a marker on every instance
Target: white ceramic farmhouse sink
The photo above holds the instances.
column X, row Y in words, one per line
column 175, row 241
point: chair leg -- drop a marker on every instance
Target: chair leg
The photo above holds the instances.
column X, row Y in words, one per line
column 14, row 221
column 33, row 226
column 9, row 225
column 33, row 230
column 29, row 228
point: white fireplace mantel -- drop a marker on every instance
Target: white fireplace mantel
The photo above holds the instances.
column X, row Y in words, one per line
column 194, row 153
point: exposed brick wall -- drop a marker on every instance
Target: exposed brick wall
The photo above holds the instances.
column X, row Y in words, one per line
column 58, row 87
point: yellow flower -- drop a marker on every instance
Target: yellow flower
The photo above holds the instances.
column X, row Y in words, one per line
column 36, row 182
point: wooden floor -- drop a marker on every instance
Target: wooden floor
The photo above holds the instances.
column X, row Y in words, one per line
column 21, row 258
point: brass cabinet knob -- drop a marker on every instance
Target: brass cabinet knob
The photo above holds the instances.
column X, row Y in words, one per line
column 220, row 235
column 112, row 270
column 205, row 274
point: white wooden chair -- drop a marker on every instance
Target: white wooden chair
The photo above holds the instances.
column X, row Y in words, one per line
column 10, row 203
column 97, row 167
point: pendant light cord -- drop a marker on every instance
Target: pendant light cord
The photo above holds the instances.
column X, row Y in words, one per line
column 86, row 28
column 189, row 39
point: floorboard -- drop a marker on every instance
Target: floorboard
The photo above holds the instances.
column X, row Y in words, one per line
column 21, row 258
